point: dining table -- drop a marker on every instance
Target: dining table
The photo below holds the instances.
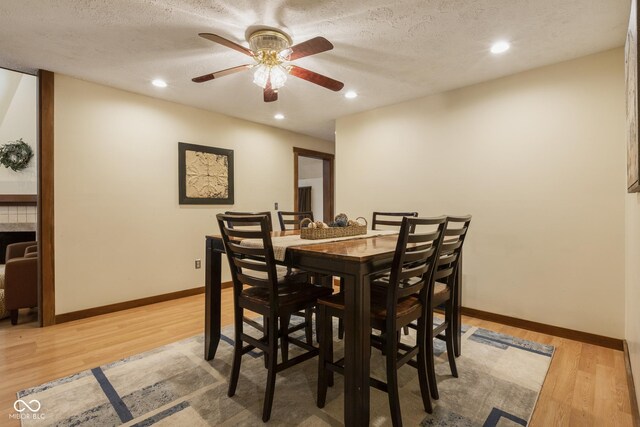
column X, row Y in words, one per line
column 355, row 261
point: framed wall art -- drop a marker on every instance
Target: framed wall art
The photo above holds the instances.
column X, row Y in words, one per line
column 631, row 77
column 205, row 175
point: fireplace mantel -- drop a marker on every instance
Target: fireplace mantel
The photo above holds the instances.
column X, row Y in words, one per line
column 8, row 227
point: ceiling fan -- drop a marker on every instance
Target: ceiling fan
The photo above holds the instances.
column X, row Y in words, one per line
column 272, row 51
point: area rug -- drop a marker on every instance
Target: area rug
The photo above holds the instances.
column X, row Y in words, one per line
column 499, row 380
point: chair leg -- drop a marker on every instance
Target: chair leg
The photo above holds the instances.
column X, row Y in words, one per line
column 422, row 366
column 406, row 330
column 271, row 375
column 449, row 338
column 329, row 328
column 265, row 333
column 340, row 321
column 391, row 350
column 323, row 325
column 431, row 370
column 318, row 325
column 284, row 336
column 451, row 354
column 13, row 314
column 308, row 329
column 237, row 352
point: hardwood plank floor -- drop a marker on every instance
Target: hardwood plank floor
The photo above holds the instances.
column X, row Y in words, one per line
column 586, row 384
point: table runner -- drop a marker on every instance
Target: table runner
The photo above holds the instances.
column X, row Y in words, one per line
column 281, row 243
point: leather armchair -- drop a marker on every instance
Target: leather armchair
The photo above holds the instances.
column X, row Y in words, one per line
column 21, row 278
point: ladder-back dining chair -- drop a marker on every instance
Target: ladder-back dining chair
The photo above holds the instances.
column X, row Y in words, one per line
column 441, row 295
column 267, row 213
column 389, row 219
column 401, row 300
column 263, row 287
column 291, row 220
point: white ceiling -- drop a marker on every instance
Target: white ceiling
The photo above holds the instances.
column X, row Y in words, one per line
column 388, row 51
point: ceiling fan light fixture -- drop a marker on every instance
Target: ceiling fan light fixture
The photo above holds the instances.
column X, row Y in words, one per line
column 285, row 54
column 275, row 75
column 278, row 76
column 261, row 75
column 271, row 51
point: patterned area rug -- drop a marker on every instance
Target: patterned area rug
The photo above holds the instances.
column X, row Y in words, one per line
column 499, row 382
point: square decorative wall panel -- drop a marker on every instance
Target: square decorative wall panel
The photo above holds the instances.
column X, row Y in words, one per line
column 205, row 175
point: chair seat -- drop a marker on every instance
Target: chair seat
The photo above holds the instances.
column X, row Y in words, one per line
column 441, row 291
column 405, row 307
column 290, row 298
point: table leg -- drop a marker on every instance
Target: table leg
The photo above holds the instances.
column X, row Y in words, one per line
column 213, row 280
column 457, row 304
column 357, row 350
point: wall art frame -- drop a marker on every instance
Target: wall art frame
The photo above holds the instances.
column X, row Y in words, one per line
column 205, row 175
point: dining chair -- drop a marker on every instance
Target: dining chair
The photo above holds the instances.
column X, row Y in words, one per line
column 292, row 219
column 402, row 300
column 262, row 286
column 441, row 295
column 267, row 213
column 389, row 219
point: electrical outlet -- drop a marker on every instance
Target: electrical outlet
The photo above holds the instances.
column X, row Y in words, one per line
column 275, row 205
column 198, row 264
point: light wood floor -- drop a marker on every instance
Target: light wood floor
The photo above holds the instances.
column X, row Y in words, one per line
column 586, row 385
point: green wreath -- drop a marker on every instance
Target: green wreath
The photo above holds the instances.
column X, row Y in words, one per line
column 15, row 155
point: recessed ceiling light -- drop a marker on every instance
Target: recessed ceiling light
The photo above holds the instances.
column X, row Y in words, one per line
column 500, row 47
column 351, row 94
column 159, row 83
column 279, row 116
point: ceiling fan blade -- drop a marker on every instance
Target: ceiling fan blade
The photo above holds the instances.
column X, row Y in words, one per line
column 224, row 42
column 221, row 73
column 316, row 78
column 270, row 95
column 310, row 47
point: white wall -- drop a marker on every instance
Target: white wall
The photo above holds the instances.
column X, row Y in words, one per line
column 120, row 233
column 18, row 119
column 538, row 159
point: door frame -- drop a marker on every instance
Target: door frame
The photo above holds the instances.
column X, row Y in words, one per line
column 328, row 179
column 45, row 228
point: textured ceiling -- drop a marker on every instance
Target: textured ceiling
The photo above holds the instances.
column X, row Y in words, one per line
column 388, row 51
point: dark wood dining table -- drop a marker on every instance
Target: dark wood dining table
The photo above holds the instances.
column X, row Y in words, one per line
column 353, row 260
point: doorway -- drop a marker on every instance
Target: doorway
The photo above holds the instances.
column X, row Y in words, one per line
column 19, row 176
column 313, row 183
